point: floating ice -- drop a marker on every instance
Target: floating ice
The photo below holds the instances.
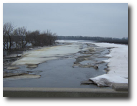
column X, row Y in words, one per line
column 46, row 53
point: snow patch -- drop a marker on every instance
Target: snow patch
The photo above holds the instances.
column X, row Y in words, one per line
column 106, row 61
column 118, row 66
column 108, row 55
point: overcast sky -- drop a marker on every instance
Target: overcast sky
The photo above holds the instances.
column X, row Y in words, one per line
column 88, row 19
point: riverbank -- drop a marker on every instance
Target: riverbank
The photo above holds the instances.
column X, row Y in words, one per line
column 118, row 66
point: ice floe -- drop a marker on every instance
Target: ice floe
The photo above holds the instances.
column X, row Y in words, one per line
column 37, row 56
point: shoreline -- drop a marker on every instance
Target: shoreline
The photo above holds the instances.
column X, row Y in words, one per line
column 118, row 66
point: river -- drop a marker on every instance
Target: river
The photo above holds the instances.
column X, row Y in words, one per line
column 63, row 66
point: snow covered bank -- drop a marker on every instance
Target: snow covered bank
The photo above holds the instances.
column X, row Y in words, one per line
column 118, row 66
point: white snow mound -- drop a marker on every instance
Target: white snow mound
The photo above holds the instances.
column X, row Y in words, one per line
column 118, row 66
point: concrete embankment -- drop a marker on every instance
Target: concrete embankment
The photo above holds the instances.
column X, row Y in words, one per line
column 117, row 91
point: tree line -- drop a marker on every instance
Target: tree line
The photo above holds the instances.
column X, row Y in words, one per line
column 18, row 38
column 96, row 39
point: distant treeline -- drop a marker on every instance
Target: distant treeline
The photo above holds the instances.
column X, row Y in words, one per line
column 97, row 39
column 18, row 38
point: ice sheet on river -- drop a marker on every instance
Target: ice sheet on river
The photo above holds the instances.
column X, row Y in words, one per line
column 46, row 53
column 118, row 66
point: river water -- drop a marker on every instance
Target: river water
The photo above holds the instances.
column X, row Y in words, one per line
column 64, row 72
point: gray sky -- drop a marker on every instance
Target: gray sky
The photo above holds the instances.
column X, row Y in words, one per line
column 85, row 19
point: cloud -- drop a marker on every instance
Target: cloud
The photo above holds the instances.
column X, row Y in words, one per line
column 86, row 19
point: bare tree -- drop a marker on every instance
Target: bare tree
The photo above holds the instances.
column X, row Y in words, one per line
column 43, row 39
column 7, row 33
column 18, row 38
column 32, row 37
column 20, row 35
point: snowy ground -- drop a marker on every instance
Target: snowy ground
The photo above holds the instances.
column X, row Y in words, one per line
column 118, row 65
